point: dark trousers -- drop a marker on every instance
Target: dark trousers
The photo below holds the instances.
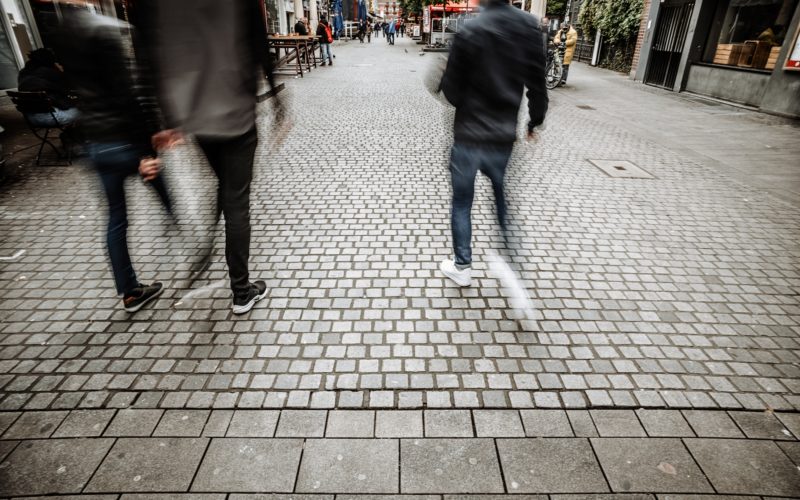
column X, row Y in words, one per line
column 115, row 162
column 466, row 159
column 391, row 38
column 232, row 161
column 564, row 73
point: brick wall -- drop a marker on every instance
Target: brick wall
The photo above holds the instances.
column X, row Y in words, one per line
column 640, row 37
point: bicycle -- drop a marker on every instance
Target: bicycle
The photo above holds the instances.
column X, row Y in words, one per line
column 555, row 68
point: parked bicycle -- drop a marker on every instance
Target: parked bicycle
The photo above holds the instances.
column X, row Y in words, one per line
column 555, row 68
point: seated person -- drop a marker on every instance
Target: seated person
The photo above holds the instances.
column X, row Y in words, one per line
column 43, row 74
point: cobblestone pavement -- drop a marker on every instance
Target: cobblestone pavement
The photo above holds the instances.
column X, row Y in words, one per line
column 678, row 291
column 152, row 452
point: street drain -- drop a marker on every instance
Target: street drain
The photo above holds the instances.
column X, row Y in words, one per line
column 584, row 106
column 621, row 169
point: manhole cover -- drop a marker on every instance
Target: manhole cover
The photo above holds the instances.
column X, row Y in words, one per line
column 584, row 106
column 621, row 169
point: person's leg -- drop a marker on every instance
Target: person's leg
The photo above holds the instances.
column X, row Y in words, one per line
column 564, row 73
column 464, row 163
column 495, row 161
column 232, row 161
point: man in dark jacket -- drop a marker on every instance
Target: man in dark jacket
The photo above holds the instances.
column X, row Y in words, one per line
column 300, row 27
column 491, row 61
column 43, row 74
column 324, row 41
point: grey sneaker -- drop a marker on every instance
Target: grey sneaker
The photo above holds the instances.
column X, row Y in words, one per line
column 243, row 304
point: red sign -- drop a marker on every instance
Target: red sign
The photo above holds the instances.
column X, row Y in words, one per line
column 793, row 60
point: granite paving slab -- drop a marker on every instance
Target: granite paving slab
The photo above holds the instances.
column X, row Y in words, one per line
column 449, row 466
column 302, row 423
column 40, row 467
column 134, row 423
column 448, row 423
column 658, row 465
column 35, row 425
column 253, row 423
column 742, row 467
column 149, row 465
column 349, row 466
column 249, row 465
column 84, row 423
column 546, row 423
column 712, row 424
column 351, row 423
column 182, row 423
column 761, row 425
column 550, row 465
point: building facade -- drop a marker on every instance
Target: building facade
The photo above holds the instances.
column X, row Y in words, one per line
column 741, row 51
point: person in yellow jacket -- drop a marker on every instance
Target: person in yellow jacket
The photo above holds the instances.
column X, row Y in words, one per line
column 572, row 40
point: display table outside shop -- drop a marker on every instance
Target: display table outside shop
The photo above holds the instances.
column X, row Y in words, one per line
column 295, row 54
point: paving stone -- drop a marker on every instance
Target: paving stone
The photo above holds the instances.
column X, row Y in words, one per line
column 791, row 421
column 712, row 424
column 249, row 464
column 134, row 423
column 550, row 465
column 582, row 423
column 658, row 465
column 664, row 423
column 449, row 466
column 760, row 425
column 235, row 496
column 173, row 496
column 217, row 424
column 182, row 423
column 6, row 419
column 351, row 424
column 448, row 423
column 149, row 465
column 741, row 467
column 51, row 466
column 302, row 423
column 546, row 423
column 253, row 423
column 498, row 423
column 84, row 423
column 704, row 497
column 617, row 423
column 398, row 423
column 792, row 450
column 606, row 496
column 35, row 424
column 6, row 447
column 349, row 466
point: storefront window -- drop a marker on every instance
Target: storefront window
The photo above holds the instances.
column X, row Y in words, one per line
column 750, row 33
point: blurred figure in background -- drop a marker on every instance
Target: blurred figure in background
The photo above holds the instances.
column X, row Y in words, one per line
column 301, row 27
column 207, row 57
column 571, row 40
column 390, row 31
column 325, row 40
column 118, row 117
column 42, row 73
column 487, row 71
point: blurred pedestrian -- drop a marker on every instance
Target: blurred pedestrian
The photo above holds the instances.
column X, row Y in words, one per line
column 571, row 39
column 118, row 117
column 401, row 27
column 390, row 31
column 362, row 30
column 325, row 40
column 42, row 73
column 486, row 88
column 207, row 67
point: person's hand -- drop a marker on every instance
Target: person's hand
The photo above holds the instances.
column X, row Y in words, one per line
column 149, row 168
column 167, row 139
column 532, row 137
column 282, row 125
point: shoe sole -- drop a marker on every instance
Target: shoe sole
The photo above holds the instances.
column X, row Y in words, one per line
column 247, row 307
column 455, row 279
column 150, row 299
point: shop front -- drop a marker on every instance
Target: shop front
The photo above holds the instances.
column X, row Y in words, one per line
column 740, row 51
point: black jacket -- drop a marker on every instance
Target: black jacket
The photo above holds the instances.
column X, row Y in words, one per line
column 37, row 78
column 321, row 32
column 491, row 61
column 300, row 28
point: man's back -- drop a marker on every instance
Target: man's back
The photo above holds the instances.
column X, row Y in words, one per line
column 492, row 59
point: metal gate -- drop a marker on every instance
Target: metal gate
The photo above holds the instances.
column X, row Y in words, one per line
column 665, row 54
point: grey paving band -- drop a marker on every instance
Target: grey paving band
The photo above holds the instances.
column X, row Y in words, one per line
column 409, row 452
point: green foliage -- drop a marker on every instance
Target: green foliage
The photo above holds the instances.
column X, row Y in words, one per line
column 411, row 6
column 556, row 8
column 618, row 20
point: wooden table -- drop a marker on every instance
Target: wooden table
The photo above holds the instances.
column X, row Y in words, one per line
column 297, row 49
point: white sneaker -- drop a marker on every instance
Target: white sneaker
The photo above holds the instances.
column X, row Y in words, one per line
column 462, row 277
column 518, row 297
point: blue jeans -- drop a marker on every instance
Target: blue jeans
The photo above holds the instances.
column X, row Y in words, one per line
column 115, row 162
column 325, row 51
column 63, row 117
column 466, row 159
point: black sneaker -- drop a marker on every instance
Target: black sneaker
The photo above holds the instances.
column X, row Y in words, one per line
column 258, row 290
column 140, row 296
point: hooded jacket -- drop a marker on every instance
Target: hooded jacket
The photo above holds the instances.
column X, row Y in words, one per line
column 491, row 61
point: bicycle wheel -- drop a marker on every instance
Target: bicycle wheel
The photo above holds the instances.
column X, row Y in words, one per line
column 553, row 74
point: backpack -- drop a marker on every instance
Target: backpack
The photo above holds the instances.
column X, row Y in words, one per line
column 328, row 34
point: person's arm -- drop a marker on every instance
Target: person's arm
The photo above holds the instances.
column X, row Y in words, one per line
column 456, row 73
column 535, row 81
column 572, row 38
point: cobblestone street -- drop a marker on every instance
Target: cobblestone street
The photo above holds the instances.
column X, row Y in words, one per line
column 664, row 358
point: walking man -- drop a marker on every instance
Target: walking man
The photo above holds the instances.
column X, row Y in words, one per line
column 390, row 31
column 486, row 74
column 207, row 66
column 325, row 40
